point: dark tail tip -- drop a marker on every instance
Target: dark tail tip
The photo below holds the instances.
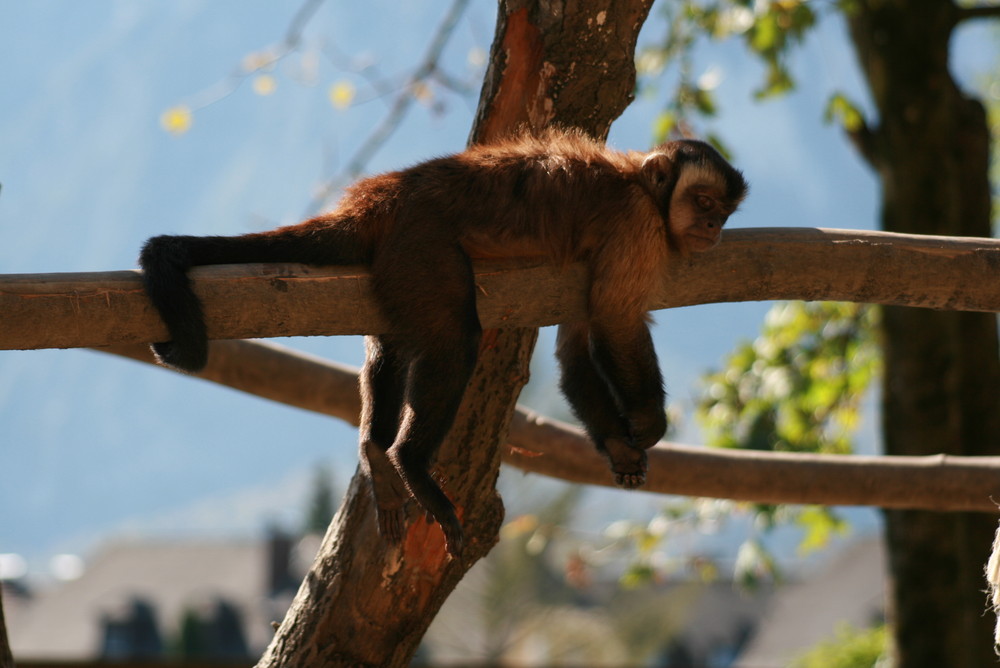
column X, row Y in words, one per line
column 190, row 358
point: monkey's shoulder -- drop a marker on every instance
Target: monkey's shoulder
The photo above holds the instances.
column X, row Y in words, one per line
column 554, row 148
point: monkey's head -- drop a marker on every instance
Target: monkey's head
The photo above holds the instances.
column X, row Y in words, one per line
column 696, row 191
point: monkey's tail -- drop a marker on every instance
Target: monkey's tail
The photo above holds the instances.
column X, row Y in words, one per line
column 165, row 261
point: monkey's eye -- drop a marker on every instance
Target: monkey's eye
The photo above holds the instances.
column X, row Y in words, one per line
column 704, row 202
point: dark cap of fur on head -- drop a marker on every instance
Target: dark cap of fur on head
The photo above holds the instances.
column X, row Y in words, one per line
column 698, row 153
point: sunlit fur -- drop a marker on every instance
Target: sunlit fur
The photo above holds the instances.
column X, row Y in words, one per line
column 558, row 195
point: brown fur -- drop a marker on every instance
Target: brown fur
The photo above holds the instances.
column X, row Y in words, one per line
column 558, row 195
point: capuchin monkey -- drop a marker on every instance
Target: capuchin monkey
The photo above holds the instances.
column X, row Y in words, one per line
column 557, row 195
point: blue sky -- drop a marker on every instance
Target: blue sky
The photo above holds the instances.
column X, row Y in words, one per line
column 93, row 446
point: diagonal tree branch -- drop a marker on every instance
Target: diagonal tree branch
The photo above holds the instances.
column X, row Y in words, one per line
column 247, row 301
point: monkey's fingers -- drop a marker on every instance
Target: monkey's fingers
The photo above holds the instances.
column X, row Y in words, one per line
column 630, row 480
column 390, row 524
column 647, row 428
column 628, row 463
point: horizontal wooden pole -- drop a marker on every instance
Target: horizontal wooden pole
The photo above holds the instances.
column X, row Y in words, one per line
column 265, row 300
column 937, row 482
column 548, row 447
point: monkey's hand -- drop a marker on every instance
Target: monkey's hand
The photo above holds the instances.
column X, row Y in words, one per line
column 390, row 523
column 628, row 462
column 648, row 426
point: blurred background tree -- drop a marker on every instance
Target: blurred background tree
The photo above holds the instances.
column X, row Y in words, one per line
column 798, row 387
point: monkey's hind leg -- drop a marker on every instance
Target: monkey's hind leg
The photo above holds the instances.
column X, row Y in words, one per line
column 430, row 303
column 436, row 385
column 382, row 387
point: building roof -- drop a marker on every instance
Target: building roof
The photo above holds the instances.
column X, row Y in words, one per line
column 65, row 622
column 850, row 589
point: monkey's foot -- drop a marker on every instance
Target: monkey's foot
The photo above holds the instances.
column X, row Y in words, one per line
column 390, row 494
column 454, row 538
column 628, row 463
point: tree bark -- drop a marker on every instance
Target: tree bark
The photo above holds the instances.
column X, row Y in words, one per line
column 6, row 658
column 365, row 603
column 942, row 372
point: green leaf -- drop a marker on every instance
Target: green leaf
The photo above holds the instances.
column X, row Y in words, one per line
column 840, row 108
column 637, row 575
column 704, row 102
column 849, row 648
column 820, row 525
column 663, row 126
column 765, row 33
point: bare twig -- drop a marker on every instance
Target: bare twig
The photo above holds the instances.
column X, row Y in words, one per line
column 404, row 99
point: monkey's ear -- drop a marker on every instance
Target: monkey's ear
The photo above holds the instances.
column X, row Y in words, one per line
column 657, row 170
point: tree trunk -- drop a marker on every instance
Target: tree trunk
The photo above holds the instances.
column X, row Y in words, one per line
column 6, row 659
column 364, row 603
column 942, row 373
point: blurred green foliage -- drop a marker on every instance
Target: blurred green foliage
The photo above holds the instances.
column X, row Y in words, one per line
column 849, row 648
column 799, row 386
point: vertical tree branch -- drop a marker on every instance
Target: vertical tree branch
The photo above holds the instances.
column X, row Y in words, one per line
column 364, row 602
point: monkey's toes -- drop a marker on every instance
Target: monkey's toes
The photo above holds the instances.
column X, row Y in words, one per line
column 454, row 539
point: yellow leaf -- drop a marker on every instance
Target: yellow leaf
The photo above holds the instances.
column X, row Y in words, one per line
column 176, row 120
column 264, row 84
column 257, row 60
column 422, row 92
column 342, row 94
column 519, row 526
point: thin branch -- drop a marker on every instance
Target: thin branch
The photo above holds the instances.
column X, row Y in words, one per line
column 404, row 99
column 547, row 447
column 938, row 482
column 223, row 88
column 293, row 36
column 266, row 300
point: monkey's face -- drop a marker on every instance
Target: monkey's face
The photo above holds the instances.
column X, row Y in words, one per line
column 697, row 191
column 699, row 207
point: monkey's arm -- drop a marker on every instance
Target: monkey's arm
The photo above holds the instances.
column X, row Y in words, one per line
column 626, row 359
column 610, row 422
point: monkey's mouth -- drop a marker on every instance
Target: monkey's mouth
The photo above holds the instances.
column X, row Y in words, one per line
column 698, row 242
